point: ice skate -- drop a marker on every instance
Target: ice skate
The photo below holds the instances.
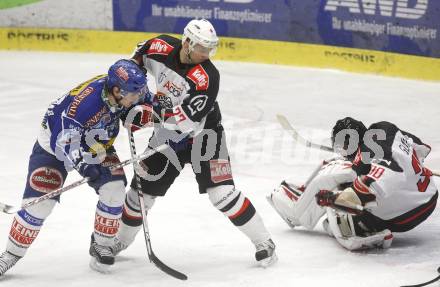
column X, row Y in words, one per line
column 118, row 246
column 102, row 257
column 265, row 254
column 7, row 260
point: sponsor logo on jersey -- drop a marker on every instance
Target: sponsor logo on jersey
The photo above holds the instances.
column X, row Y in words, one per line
column 199, row 77
column 220, row 170
column 173, row 89
column 96, row 117
column 22, row 234
column 197, row 104
column 46, row 179
column 159, row 47
column 398, row 9
column 73, row 108
column 161, row 77
column 106, row 226
column 164, row 100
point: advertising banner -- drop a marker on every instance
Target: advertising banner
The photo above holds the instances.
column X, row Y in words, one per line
column 78, row 14
column 401, row 26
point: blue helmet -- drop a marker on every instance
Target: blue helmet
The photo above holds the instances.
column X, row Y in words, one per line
column 127, row 75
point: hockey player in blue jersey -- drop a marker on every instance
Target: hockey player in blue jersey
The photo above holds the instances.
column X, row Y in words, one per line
column 77, row 132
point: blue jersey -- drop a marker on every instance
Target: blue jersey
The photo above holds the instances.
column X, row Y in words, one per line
column 72, row 121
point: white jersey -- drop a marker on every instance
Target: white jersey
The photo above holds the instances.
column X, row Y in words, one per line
column 399, row 190
column 187, row 93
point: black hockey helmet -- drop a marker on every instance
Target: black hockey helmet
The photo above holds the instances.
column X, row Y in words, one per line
column 347, row 123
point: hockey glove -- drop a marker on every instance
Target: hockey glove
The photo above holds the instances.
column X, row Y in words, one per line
column 326, row 198
column 143, row 118
column 181, row 145
column 359, row 166
column 97, row 174
column 345, row 200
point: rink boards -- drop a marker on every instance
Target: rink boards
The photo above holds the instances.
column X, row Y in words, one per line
column 231, row 49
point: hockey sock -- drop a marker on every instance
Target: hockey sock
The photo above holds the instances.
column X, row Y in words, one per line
column 108, row 212
column 26, row 225
column 131, row 221
column 238, row 208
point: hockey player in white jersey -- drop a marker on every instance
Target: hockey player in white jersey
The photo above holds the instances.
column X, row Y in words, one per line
column 187, row 84
column 380, row 186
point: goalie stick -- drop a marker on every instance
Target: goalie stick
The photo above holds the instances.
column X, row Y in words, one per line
column 291, row 130
column 426, row 283
column 10, row 209
column 151, row 256
column 288, row 127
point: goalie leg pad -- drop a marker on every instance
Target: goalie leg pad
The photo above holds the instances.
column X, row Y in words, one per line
column 283, row 200
column 297, row 206
column 240, row 211
column 341, row 227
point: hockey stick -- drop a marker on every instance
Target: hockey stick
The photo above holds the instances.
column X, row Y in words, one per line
column 10, row 209
column 289, row 128
column 151, row 256
column 426, row 283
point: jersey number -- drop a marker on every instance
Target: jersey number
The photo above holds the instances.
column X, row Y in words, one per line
column 422, row 185
column 376, row 172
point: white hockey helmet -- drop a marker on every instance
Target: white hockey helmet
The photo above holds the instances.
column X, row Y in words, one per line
column 201, row 32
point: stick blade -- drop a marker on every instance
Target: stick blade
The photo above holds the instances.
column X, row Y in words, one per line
column 9, row 209
column 287, row 126
column 425, row 283
column 165, row 268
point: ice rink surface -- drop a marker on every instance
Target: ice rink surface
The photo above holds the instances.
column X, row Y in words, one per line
column 187, row 232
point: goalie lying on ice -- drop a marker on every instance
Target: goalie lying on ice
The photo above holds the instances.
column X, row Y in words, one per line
column 363, row 200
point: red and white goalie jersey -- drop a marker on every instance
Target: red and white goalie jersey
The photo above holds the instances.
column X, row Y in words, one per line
column 400, row 181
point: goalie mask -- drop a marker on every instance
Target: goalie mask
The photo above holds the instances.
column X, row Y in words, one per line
column 347, row 135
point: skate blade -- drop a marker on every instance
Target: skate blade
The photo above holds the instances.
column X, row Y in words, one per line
column 99, row 267
column 269, row 261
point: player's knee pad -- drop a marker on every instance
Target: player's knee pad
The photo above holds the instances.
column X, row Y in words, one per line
column 131, row 213
column 42, row 209
column 132, row 200
column 221, row 196
column 232, row 203
column 112, row 193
